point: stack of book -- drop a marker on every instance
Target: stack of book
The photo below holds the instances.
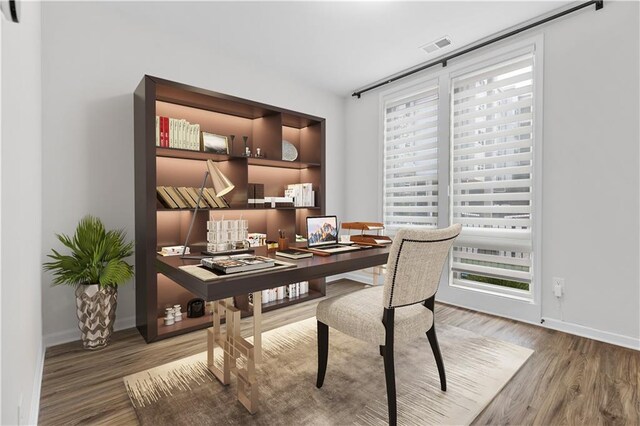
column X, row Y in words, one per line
column 255, row 195
column 302, row 193
column 185, row 198
column 237, row 263
column 290, row 291
column 175, row 133
column 293, row 254
column 173, row 250
column 278, row 202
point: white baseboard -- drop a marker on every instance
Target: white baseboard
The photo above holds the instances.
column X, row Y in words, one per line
column 354, row 276
column 592, row 333
column 71, row 335
column 37, row 386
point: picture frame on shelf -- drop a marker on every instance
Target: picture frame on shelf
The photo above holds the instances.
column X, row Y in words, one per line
column 216, row 144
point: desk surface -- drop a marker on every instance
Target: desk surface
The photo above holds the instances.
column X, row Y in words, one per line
column 306, row 269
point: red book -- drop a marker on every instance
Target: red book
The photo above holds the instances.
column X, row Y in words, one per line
column 166, row 132
column 163, row 133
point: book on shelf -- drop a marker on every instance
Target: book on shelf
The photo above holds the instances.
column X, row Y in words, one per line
column 220, row 202
column 294, row 254
column 186, row 197
column 194, row 192
column 301, row 193
column 176, row 197
column 177, row 133
column 165, row 198
column 237, row 263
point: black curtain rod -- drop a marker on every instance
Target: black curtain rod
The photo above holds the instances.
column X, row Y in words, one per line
column 599, row 5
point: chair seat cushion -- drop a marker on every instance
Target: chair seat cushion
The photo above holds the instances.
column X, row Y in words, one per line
column 359, row 314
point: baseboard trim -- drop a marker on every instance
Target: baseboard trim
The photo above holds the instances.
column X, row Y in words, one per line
column 592, row 333
column 354, row 276
column 37, row 386
column 72, row 335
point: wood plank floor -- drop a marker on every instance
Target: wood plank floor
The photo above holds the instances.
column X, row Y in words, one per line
column 568, row 380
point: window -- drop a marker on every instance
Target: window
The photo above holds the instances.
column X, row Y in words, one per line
column 410, row 160
column 491, row 175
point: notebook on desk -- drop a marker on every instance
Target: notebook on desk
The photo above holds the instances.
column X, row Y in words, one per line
column 322, row 235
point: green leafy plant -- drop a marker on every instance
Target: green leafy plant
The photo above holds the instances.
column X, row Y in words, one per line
column 97, row 256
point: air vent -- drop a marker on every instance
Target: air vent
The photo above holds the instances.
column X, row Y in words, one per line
column 436, row 44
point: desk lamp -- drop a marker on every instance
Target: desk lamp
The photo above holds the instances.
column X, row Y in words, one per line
column 221, row 186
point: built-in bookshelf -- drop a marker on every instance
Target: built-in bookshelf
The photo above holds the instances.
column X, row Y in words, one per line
column 158, row 225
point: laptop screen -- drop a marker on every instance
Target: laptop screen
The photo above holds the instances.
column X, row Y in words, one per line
column 322, row 230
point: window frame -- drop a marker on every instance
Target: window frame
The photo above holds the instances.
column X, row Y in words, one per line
column 481, row 297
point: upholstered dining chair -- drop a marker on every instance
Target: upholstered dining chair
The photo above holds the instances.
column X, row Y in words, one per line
column 401, row 309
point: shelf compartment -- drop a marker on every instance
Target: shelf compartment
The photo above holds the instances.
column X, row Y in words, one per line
column 276, row 304
column 193, row 324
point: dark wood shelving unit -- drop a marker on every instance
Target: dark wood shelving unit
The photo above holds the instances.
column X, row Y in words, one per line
column 266, row 127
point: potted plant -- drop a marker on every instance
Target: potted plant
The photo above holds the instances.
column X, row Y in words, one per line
column 96, row 267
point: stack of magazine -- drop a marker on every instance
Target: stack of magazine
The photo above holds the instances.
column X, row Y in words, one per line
column 237, row 263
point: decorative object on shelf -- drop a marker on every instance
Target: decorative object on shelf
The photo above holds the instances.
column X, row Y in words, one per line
column 195, row 308
column 221, row 186
column 172, row 250
column 216, row 144
column 258, row 153
column 246, row 148
column 96, row 267
column 227, row 235
column 289, row 151
column 231, row 139
column 177, row 313
column 169, row 318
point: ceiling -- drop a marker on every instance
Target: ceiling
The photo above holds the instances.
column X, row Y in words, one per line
column 336, row 46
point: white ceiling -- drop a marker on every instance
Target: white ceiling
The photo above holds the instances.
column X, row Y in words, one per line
column 337, row 46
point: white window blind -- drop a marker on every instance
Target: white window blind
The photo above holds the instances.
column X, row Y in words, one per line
column 492, row 150
column 411, row 160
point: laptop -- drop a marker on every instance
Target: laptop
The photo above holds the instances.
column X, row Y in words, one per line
column 322, row 235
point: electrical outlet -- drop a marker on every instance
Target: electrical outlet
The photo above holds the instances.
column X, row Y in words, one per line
column 558, row 286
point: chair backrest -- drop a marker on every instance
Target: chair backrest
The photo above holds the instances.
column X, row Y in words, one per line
column 415, row 264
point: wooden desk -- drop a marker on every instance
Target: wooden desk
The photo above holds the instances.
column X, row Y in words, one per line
column 222, row 291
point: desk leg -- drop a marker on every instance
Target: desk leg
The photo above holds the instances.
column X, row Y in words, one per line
column 257, row 325
column 234, row 347
column 378, row 271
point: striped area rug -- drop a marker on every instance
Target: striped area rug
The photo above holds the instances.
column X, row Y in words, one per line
column 184, row 392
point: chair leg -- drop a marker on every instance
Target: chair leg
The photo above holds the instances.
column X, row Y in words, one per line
column 390, row 377
column 389, row 368
column 323, row 352
column 433, row 340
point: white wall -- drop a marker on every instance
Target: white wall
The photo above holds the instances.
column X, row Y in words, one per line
column 590, row 200
column 94, row 55
column 21, row 218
